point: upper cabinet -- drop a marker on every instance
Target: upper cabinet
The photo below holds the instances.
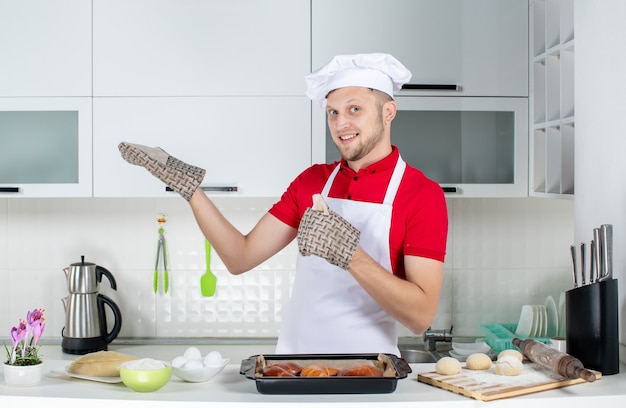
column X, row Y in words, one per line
column 216, row 83
column 45, row 147
column 481, row 46
column 252, row 146
column 45, row 48
column 552, row 96
column 200, row 47
column 472, row 135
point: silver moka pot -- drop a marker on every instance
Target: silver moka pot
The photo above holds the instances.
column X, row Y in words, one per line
column 86, row 328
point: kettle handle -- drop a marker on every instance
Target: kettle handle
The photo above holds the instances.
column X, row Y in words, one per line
column 100, row 271
column 117, row 325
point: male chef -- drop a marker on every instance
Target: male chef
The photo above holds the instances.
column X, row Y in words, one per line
column 371, row 248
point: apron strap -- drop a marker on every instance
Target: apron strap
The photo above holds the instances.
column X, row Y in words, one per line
column 394, row 183
column 330, row 180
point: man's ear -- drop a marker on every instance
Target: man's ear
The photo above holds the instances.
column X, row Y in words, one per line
column 389, row 111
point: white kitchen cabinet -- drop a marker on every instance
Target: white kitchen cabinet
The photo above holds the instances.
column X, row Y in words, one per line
column 552, row 99
column 249, row 146
column 481, row 46
column 45, row 48
column 200, row 47
column 45, row 147
column 473, row 147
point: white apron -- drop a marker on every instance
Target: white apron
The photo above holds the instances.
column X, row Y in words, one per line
column 329, row 311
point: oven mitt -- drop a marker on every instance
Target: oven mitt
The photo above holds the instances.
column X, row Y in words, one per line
column 324, row 233
column 177, row 175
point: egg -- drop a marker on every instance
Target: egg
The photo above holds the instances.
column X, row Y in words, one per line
column 213, row 359
column 193, row 364
column 179, row 362
column 193, row 353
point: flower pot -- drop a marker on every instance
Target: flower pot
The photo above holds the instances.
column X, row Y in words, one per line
column 22, row 375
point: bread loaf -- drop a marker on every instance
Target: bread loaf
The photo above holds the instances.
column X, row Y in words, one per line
column 316, row 370
column 360, row 370
column 100, row 364
column 286, row 369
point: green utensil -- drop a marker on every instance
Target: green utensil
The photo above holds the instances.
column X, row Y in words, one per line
column 208, row 281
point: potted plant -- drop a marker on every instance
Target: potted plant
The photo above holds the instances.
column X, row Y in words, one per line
column 23, row 365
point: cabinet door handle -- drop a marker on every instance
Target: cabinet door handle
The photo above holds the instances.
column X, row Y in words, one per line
column 226, row 189
column 449, row 189
column 9, row 189
column 432, row 87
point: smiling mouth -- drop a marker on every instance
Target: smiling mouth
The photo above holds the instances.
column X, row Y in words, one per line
column 345, row 138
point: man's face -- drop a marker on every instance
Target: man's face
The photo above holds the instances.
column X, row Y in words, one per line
column 355, row 121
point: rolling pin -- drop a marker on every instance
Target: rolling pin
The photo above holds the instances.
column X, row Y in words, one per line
column 557, row 361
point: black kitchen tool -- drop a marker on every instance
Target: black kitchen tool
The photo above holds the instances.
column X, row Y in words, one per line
column 592, row 325
column 325, row 385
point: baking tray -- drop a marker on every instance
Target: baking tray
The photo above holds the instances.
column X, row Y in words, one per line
column 395, row 369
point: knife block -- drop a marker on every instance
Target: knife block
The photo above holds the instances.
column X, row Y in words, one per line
column 591, row 329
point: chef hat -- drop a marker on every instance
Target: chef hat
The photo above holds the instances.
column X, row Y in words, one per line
column 376, row 71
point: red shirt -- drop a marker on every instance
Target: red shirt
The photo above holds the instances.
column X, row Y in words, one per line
column 419, row 218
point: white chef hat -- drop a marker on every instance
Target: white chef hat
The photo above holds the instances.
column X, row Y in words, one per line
column 376, row 71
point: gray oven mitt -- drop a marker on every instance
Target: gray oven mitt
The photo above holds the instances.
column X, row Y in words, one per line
column 177, row 175
column 324, row 233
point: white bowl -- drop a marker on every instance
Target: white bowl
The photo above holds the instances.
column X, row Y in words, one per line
column 465, row 349
column 199, row 374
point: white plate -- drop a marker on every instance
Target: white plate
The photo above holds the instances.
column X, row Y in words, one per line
column 63, row 371
column 534, row 328
column 543, row 321
column 552, row 317
column 525, row 323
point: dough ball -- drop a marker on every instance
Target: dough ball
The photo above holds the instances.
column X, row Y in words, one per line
column 508, row 365
column 511, row 352
column 478, row 361
column 448, row 366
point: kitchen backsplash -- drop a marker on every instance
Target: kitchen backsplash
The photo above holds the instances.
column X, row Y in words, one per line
column 502, row 253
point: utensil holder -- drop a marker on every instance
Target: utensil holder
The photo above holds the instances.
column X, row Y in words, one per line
column 592, row 325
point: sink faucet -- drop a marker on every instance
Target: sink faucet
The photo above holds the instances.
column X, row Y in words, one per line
column 431, row 337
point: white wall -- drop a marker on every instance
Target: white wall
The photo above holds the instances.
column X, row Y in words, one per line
column 600, row 67
column 502, row 253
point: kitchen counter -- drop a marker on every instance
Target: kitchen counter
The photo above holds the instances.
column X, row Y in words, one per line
column 231, row 389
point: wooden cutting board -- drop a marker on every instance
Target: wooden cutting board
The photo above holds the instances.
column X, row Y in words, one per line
column 488, row 386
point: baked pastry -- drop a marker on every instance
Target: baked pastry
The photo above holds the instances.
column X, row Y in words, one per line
column 99, row 364
column 509, row 365
column 360, row 370
column 285, row 369
column 448, row 366
column 316, row 370
column 478, row 361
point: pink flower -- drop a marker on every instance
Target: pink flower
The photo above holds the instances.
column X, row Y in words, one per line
column 36, row 323
column 18, row 333
column 24, row 338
